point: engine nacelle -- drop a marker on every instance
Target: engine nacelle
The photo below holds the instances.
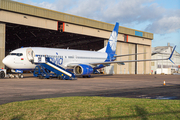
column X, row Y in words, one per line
column 83, row 69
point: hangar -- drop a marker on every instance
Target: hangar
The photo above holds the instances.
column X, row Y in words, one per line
column 23, row 25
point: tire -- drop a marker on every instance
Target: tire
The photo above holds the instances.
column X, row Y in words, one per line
column 2, row 74
column 86, row 76
column 20, row 76
column 40, row 77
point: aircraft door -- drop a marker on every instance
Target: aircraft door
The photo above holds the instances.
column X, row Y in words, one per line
column 30, row 54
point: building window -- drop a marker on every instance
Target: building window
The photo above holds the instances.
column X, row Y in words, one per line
column 158, row 66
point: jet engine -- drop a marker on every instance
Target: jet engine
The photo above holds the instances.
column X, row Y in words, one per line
column 83, row 69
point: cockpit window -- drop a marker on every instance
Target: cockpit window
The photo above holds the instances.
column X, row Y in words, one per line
column 12, row 54
column 17, row 54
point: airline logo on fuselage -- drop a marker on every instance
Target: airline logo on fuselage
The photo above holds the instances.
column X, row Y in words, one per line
column 57, row 60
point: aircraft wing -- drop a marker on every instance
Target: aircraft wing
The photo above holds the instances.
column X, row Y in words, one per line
column 122, row 62
column 128, row 54
column 71, row 65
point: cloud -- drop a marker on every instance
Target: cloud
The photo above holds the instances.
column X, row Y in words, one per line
column 109, row 11
column 92, row 9
column 130, row 11
column 126, row 12
column 65, row 5
column 46, row 5
column 165, row 25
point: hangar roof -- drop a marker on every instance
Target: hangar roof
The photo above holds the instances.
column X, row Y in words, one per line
column 59, row 16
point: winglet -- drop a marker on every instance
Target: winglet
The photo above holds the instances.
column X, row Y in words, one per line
column 171, row 55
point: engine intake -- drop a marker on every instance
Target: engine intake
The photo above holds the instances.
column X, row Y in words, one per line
column 83, row 69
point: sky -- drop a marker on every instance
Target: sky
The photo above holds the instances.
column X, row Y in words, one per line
column 160, row 17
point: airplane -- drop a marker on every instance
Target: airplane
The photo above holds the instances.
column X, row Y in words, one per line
column 79, row 60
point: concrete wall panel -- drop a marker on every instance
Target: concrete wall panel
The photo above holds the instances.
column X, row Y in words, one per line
column 144, row 67
column 86, row 31
column 148, row 56
column 89, row 31
column 132, row 57
column 140, row 65
column 117, row 68
column 2, row 43
column 128, row 68
column 139, row 40
column 27, row 20
column 124, row 50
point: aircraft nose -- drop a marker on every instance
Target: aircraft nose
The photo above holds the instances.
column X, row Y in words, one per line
column 7, row 61
column 4, row 61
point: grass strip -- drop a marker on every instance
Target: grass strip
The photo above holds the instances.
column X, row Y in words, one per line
column 90, row 108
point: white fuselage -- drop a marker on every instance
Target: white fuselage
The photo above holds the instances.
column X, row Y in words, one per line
column 18, row 59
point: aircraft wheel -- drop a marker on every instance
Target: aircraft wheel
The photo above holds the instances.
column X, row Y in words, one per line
column 2, row 74
column 86, row 76
column 40, row 77
column 20, row 76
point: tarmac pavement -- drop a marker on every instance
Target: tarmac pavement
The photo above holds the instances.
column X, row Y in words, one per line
column 131, row 86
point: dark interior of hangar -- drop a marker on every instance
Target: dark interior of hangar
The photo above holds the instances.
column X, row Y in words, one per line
column 25, row 36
